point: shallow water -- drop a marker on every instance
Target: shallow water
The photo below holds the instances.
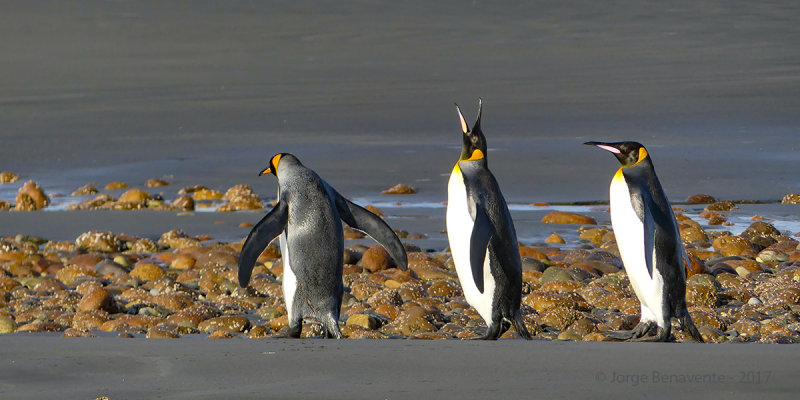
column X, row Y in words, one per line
column 205, row 94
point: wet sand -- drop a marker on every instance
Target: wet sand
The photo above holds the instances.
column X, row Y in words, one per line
column 43, row 367
column 363, row 93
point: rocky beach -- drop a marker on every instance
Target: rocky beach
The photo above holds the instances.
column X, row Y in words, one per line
column 742, row 287
column 132, row 134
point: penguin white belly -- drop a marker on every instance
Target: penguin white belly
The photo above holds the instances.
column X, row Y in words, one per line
column 629, row 232
column 459, row 232
column 289, row 278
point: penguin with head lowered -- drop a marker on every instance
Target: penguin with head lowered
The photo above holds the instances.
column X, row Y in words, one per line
column 482, row 238
column 649, row 243
column 308, row 218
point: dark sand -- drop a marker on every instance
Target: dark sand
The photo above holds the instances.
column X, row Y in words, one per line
column 36, row 367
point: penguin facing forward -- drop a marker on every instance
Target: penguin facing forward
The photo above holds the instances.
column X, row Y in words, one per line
column 649, row 243
column 308, row 218
column 482, row 238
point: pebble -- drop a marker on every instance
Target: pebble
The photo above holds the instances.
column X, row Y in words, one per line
column 791, row 198
column 162, row 332
column 7, row 324
column 99, row 241
column 8, row 177
column 553, row 274
column 400, row 189
column 97, row 299
column 155, row 182
column 31, row 197
column 147, row 271
column 376, row 258
column 555, row 238
column 85, row 190
column 134, row 196
column 228, row 323
column 365, row 321
column 725, row 205
column 561, row 217
column 182, row 285
column 701, row 199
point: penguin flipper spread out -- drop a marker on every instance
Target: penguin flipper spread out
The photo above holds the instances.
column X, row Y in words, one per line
column 360, row 218
column 262, row 234
column 481, row 232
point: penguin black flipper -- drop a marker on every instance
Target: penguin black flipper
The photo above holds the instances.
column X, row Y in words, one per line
column 262, row 234
column 481, row 233
column 641, row 201
column 360, row 218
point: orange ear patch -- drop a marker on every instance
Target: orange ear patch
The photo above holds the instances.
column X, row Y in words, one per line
column 476, row 155
column 642, row 154
column 275, row 160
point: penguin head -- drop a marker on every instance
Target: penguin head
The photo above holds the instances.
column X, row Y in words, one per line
column 473, row 146
column 272, row 168
column 628, row 153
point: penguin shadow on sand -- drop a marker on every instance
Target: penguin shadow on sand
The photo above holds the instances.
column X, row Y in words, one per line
column 482, row 237
column 649, row 244
column 308, row 218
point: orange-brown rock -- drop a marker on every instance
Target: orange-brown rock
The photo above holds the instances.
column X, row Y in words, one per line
column 555, row 238
column 97, row 299
column 561, row 217
column 116, row 185
column 376, row 258
column 400, row 189
column 155, row 182
column 91, row 319
column 134, row 196
column 791, row 198
column 147, row 271
column 207, row 194
column 226, row 323
column 35, row 192
column 163, row 331
column 733, row 246
column 8, row 177
column 701, row 199
column 99, row 241
column 412, row 320
column 184, row 202
column 525, row 251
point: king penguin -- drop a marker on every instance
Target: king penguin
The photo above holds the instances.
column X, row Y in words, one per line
column 482, row 238
column 308, row 218
column 649, row 243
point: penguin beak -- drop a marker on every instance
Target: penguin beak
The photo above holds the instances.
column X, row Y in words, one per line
column 604, row 146
column 266, row 171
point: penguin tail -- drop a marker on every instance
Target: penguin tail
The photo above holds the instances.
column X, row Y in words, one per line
column 688, row 326
column 519, row 326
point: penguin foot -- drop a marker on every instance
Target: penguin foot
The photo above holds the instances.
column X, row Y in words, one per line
column 643, row 328
column 294, row 331
column 688, row 326
column 488, row 335
column 619, row 335
column 519, row 326
column 662, row 335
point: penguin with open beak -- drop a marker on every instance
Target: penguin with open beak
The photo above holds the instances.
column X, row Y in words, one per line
column 482, row 238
